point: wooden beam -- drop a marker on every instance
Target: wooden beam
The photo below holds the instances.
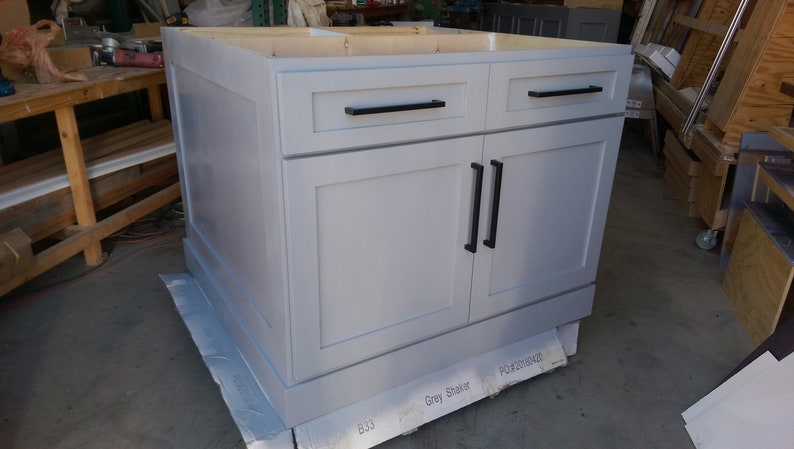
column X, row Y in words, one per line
column 155, row 103
column 91, row 236
column 716, row 29
column 755, row 71
column 775, row 177
column 78, row 177
column 43, row 216
column 33, row 99
column 642, row 22
column 787, row 87
column 784, row 136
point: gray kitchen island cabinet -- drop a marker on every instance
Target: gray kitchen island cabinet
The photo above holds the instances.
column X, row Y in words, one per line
column 367, row 206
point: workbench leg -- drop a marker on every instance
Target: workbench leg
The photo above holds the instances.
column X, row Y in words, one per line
column 155, row 103
column 78, row 178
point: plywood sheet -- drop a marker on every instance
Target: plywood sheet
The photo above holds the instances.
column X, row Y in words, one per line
column 754, row 74
column 701, row 48
column 757, row 280
column 784, row 136
column 754, row 118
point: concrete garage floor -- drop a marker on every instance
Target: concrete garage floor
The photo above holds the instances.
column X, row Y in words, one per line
column 104, row 360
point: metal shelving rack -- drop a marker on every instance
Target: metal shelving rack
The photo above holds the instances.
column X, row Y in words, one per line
column 269, row 12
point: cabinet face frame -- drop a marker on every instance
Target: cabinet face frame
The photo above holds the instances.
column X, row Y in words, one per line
column 375, row 243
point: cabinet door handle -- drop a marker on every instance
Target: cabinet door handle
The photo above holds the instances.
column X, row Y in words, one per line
column 475, row 214
column 490, row 242
column 352, row 110
column 559, row 93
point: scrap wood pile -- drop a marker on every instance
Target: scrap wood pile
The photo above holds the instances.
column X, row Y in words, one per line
column 747, row 92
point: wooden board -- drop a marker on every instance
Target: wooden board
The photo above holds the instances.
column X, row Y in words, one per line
column 669, row 111
column 787, row 87
column 780, row 180
column 46, row 215
column 714, row 29
column 680, row 156
column 71, row 58
column 715, row 158
column 758, row 279
column 712, row 180
column 89, row 236
column 784, row 136
column 684, row 186
column 670, row 32
column 708, row 200
column 51, row 163
column 751, row 118
column 33, row 99
column 701, row 48
column 754, row 74
column 671, row 191
column 16, row 254
column 607, row 4
column 53, row 211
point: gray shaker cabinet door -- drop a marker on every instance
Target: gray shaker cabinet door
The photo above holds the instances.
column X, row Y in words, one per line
column 555, row 189
column 375, row 243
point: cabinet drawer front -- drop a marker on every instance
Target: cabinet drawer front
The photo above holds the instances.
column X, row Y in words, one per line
column 523, row 93
column 329, row 110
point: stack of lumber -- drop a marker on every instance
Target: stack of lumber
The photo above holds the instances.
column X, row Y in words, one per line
column 747, row 95
column 35, row 196
column 682, row 174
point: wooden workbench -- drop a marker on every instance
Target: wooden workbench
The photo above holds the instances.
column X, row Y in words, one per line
column 34, row 99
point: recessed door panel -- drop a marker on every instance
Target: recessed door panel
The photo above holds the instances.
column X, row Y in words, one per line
column 552, row 209
column 376, row 249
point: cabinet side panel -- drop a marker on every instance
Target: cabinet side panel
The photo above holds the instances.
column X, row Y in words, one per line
column 229, row 213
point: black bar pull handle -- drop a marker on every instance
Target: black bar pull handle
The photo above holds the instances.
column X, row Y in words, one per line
column 559, row 93
column 490, row 242
column 475, row 214
column 352, row 110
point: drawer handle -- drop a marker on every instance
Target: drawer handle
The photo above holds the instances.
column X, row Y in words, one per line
column 350, row 110
column 560, row 93
column 475, row 214
column 490, row 242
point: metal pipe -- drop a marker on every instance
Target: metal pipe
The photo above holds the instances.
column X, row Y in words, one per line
column 726, row 43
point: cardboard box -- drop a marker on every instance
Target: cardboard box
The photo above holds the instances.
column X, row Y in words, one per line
column 71, row 58
column 13, row 13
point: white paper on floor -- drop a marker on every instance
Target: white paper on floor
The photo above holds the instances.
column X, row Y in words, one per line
column 753, row 409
